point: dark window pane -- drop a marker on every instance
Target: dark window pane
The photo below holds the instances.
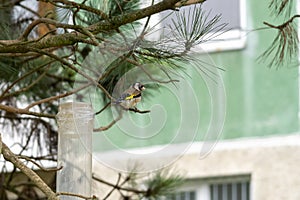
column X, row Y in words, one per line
column 187, row 195
column 230, row 191
column 211, row 191
column 239, row 191
column 248, row 190
column 182, row 196
column 225, row 191
column 192, row 195
column 220, row 192
column 230, row 10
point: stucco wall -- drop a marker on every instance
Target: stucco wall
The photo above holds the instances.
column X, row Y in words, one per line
column 273, row 163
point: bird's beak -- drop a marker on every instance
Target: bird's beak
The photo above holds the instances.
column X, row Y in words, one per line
column 143, row 88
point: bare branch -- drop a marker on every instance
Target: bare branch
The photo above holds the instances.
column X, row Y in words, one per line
column 11, row 109
column 187, row 3
column 24, row 89
column 11, row 157
column 119, row 187
column 66, row 63
column 102, row 109
column 28, row 9
column 78, row 28
column 17, row 46
column 114, row 188
column 49, row 99
column 38, row 165
column 76, row 195
column 282, row 26
column 72, row 4
column 139, row 111
column 104, row 128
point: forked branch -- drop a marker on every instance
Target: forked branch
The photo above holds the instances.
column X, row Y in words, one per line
column 285, row 43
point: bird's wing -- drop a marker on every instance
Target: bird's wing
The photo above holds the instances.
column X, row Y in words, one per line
column 128, row 96
column 125, row 96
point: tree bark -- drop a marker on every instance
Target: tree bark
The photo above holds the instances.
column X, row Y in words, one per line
column 21, row 46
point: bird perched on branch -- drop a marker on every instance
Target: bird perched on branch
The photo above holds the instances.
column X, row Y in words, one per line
column 130, row 97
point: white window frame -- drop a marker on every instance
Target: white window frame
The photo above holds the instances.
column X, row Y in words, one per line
column 233, row 39
column 201, row 187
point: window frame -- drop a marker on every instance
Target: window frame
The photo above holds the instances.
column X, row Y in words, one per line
column 234, row 39
column 226, row 41
column 202, row 186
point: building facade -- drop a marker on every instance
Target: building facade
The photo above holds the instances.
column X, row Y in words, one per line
column 233, row 132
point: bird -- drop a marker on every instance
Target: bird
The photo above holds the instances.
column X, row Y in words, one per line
column 131, row 96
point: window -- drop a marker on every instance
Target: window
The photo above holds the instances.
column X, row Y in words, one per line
column 233, row 13
column 225, row 188
column 230, row 191
column 185, row 195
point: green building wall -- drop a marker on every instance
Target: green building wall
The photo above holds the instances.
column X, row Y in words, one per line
column 258, row 100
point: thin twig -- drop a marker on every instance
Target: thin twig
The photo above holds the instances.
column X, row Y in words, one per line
column 66, row 63
column 49, row 99
column 104, row 128
column 25, row 146
column 281, row 26
column 38, row 165
column 78, row 5
column 139, row 111
column 22, row 77
column 114, row 188
column 11, row 157
column 28, row 9
column 119, row 187
column 113, row 122
column 57, row 24
column 187, row 3
column 149, row 74
column 102, row 109
column 28, row 86
column 75, row 195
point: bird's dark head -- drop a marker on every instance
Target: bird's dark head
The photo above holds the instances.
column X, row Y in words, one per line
column 138, row 86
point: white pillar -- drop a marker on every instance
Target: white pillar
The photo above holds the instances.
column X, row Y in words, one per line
column 75, row 122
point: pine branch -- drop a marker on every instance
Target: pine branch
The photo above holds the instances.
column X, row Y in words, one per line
column 72, row 67
column 285, row 43
column 29, row 73
column 18, row 46
column 280, row 6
